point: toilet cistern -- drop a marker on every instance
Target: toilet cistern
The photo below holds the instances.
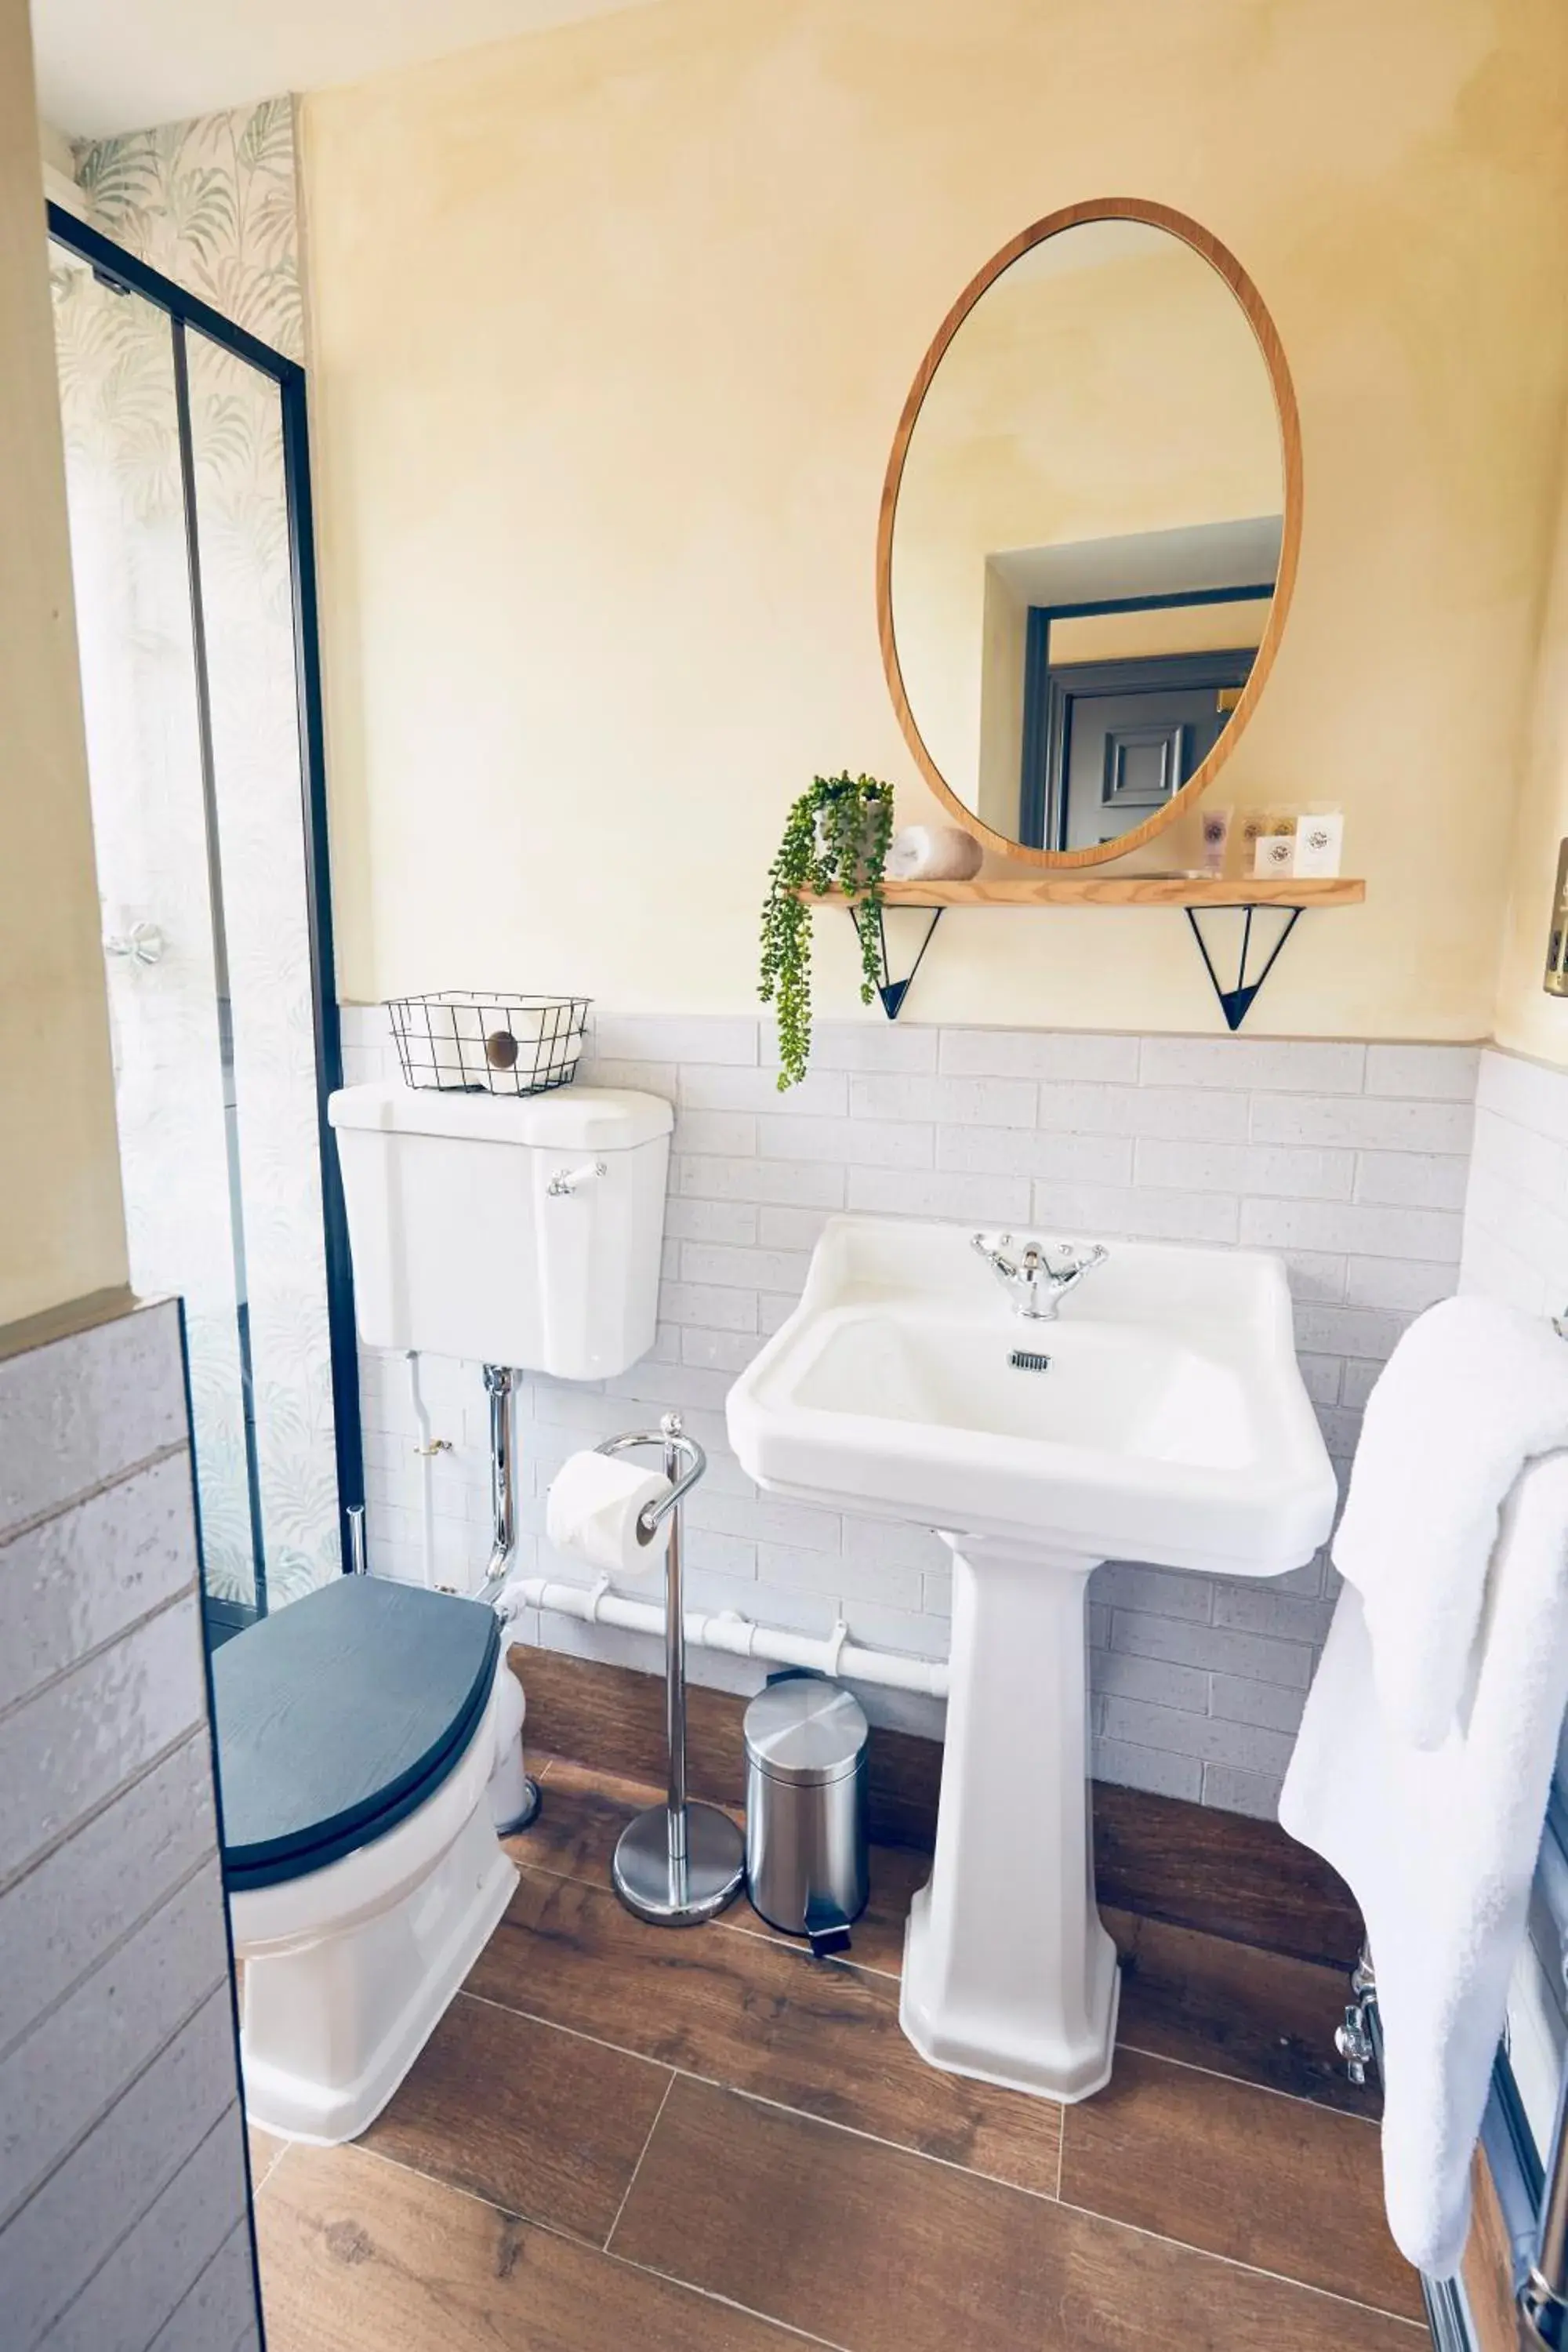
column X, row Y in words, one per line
column 1035, row 1286
column 1171, row 1426
column 519, row 1230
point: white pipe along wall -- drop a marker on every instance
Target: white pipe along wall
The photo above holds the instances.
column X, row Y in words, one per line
column 741, row 1637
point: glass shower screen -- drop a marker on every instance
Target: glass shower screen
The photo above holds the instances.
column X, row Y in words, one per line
column 184, row 567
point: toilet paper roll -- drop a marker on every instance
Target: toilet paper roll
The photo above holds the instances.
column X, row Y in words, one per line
column 932, row 853
column 595, row 1500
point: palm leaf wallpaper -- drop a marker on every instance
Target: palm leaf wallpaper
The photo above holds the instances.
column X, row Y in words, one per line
column 213, row 203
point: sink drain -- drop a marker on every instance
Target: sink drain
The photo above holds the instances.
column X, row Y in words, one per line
column 1024, row 1359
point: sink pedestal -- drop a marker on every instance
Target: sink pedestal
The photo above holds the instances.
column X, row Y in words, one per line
column 1163, row 1418
column 1008, row 1973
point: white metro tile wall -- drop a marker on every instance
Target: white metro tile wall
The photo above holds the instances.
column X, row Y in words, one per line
column 1349, row 1159
column 1516, row 1214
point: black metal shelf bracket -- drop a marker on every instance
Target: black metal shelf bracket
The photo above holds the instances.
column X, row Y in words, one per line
column 1237, row 1003
column 893, row 991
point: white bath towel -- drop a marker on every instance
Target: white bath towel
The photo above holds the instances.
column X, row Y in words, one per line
column 1439, row 1845
column 1473, row 1392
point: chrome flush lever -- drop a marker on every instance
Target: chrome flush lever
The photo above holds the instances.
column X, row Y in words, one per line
column 566, row 1181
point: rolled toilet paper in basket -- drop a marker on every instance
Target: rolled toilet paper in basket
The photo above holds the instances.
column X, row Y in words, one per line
column 593, row 1510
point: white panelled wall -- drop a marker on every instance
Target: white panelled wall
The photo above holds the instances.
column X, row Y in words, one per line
column 1351, row 1160
column 124, row 2207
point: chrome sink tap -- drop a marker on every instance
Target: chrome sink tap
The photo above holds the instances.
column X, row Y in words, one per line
column 1035, row 1286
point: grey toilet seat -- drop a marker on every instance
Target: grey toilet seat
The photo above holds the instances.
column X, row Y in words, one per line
column 340, row 1715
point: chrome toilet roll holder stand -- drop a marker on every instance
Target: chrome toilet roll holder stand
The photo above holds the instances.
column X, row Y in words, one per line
column 679, row 1863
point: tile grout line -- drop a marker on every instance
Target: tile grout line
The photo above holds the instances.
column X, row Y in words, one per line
column 242, row 2227
column 574, row 2033
column 278, row 2153
column 780, row 1943
column 14, row 1531
column 586, row 2246
column 58, row 2164
column 762, row 2099
column 111, row 1952
column 86, row 2287
column 760, row 1934
column 101, row 1649
column 897, row 2147
column 947, row 2164
column 1135, row 2228
column 854, row 2131
column 1245, row 2083
column 636, row 2167
column 476, row 2197
column 728, row 2303
column 1254, row 2270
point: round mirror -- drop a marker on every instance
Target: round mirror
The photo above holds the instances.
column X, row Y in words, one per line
column 1088, row 531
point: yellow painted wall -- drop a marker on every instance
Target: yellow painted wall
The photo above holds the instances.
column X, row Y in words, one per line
column 1527, row 1018
column 612, row 327
column 62, row 1230
column 1175, row 629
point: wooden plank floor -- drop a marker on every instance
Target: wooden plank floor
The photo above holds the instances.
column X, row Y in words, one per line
column 621, row 2135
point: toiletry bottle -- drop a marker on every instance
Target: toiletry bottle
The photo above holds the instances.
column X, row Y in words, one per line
column 1252, row 825
column 1216, row 839
column 1274, row 851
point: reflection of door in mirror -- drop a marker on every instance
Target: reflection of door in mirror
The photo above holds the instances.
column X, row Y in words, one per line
column 1109, row 743
column 1093, row 477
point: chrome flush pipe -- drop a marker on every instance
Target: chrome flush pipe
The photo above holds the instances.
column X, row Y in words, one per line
column 503, row 1500
column 513, row 1797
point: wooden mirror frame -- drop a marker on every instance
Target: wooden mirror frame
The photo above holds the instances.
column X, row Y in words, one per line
column 1219, row 258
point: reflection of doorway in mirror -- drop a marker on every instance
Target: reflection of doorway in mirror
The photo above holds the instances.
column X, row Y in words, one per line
column 1150, row 595
column 1099, row 440
column 1123, row 738
column 1123, row 699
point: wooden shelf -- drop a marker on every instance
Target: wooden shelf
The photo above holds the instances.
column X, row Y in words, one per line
column 1118, row 890
column 1291, row 895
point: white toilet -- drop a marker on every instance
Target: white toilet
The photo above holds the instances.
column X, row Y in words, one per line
column 357, row 1729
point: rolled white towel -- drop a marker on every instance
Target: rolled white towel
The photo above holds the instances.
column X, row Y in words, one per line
column 1473, row 1391
column 932, row 853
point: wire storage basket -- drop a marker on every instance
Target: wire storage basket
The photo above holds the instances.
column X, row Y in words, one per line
column 468, row 1041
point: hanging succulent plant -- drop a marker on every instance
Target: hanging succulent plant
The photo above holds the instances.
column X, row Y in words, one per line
column 837, row 833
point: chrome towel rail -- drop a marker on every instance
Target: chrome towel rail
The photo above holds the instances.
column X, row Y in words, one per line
column 1542, row 2296
column 1532, row 2197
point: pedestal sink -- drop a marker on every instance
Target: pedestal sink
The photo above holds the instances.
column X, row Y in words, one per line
column 1160, row 1417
